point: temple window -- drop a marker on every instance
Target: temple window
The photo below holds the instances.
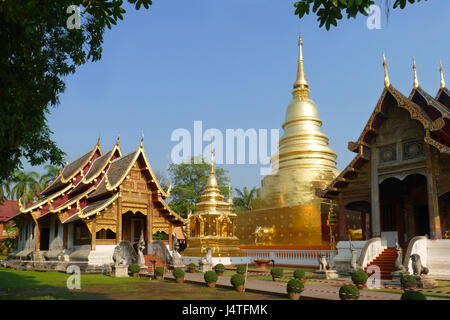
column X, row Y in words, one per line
column 82, row 235
column 160, row 235
column 105, row 234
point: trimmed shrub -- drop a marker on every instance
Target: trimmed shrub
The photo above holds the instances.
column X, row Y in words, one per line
column 241, row 269
column 237, row 280
column 135, row 268
column 408, row 281
column 349, row 292
column 295, row 285
column 219, row 268
column 178, row 273
column 413, row 295
column 159, row 271
column 277, row 272
column 359, row 277
column 192, row 265
column 210, row 276
column 299, row 274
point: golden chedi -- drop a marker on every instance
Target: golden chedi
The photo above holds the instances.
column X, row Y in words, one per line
column 213, row 225
column 287, row 211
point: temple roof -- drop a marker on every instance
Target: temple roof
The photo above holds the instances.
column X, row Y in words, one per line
column 432, row 113
column 8, row 209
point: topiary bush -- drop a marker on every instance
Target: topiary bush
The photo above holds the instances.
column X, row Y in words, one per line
column 178, row 273
column 299, row 274
column 210, row 276
column 219, row 268
column 159, row 271
column 359, row 277
column 192, row 266
column 135, row 268
column 241, row 269
column 276, row 272
column 295, row 285
column 408, row 281
column 413, row 295
column 349, row 292
column 237, row 280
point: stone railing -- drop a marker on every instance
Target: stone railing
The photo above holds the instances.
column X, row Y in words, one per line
column 370, row 251
column 417, row 245
column 342, row 260
column 438, row 258
column 307, row 258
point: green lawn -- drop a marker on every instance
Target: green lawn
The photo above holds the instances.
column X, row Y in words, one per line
column 443, row 286
column 33, row 285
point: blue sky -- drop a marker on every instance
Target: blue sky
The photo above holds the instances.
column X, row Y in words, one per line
column 232, row 64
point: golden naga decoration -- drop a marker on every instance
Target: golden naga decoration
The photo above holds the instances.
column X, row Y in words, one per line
column 213, row 225
column 387, row 82
column 332, row 223
column 416, row 80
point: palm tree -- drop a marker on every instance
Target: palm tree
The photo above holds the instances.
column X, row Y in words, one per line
column 25, row 184
column 244, row 199
column 51, row 173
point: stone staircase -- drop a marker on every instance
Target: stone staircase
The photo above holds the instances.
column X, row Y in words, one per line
column 386, row 262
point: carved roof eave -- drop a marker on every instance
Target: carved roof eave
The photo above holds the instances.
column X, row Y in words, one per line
column 47, row 199
column 442, row 91
column 172, row 213
column 325, row 193
column 79, row 215
column 100, row 170
column 72, row 201
column 415, row 112
column 81, row 167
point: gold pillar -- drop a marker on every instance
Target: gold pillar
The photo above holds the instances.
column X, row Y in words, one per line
column 433, row 204
column 119, row 220
column 93, row 234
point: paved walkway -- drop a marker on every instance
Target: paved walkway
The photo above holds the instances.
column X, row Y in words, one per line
column 327, row 291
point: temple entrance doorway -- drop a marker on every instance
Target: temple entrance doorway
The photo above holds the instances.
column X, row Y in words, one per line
column 404, row 209
column 45, row 239
column 133, row 225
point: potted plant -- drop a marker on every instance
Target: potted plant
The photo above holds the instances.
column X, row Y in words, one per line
column 241, row 269
column 300, row 274
column 192, row 267
column 413, row 295
column 276, row 273
column 262, row 263
column 349, row 292
column 219, row 268
column 179, row 275
column 159, row 271
column 359, row 278
column 408, row 282
column 135, row 269
column 237, row 280
column 211, row 278
column 294, row 288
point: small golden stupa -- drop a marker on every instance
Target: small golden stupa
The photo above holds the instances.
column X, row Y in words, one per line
column 287, row 211
column 213, row 225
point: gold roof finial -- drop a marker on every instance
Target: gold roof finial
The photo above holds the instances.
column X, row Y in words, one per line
column 442, row 77
column 416, row 80
column 118, row 138
column 142, row 140
column 387, row 83
column 301, row 85
column 212, row 156
column 98, row 140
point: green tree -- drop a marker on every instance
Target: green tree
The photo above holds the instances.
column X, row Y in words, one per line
column 243, row 201
column 51, row 173
column 38, row 51
column 25, row 185
column 329, row 11
column 189, row 182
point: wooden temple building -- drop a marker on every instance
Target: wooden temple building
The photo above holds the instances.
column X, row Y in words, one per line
column 399, row 179
column 95, row 202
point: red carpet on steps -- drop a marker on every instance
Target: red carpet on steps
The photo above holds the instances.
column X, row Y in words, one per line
column 386, row 262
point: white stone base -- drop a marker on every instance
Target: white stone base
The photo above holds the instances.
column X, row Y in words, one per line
column 101, row 255
column 216, row 260
column 119, row 272
column 326, row 274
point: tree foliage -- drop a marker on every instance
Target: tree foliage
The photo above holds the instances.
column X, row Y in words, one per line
column 37, row 52
column 189, row 181
column 244, row 199
column 330, row 11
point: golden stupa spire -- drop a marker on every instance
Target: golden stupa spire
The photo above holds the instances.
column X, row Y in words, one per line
column 442, row 77
column 387, row 83
column 230, row 198
column 301, row 85
column 416, row 80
